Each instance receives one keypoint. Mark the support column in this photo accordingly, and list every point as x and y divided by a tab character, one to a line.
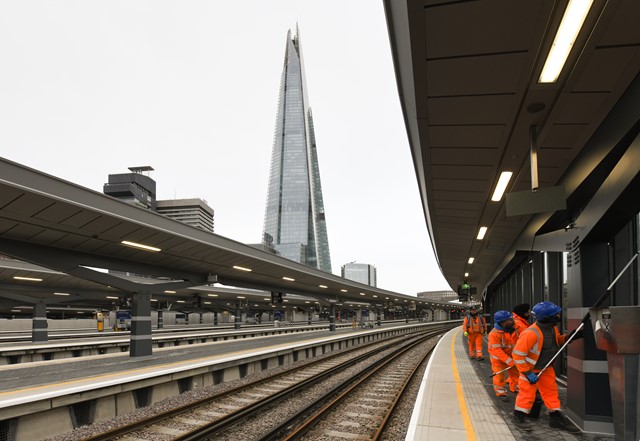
309	316
201	314
140	325
588	394
39	327
332	317
378	321
215	319
160	319
238	317
406	315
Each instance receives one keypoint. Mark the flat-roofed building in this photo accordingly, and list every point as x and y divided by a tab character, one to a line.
195	212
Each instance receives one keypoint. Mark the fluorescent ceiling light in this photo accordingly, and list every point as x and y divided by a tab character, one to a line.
505	176
16	310
267	299
180	301
79	312
481	233
28	279
375	296
241	297
113	298
212	295
362	294
140	246
289	279
169	292
343	290
471	259
285	300
207	303
154	300
241	268
323	286
466	274
61	294
572	21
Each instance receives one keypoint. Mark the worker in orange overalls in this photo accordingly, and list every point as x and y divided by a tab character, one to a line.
502	339
535	347
521	314
474	327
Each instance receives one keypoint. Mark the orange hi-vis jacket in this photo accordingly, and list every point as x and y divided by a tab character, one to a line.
474	325
501	345
520	324
529	345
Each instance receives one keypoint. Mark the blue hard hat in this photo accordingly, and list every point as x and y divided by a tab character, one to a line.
545	309
501	316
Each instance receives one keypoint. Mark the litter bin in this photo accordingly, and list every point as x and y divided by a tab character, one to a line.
616	330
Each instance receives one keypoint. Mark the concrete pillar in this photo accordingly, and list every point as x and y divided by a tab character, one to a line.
332	317
378	321
238	317
406	315
140	325
39	328
215	319
160	319
588	393
201	321
309	316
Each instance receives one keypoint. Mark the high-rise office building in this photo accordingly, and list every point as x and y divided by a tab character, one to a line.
135	188
194	212
294	216
360	272
139	189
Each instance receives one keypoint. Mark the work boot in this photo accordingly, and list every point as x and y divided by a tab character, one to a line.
503	397
480	358
520	420
558	421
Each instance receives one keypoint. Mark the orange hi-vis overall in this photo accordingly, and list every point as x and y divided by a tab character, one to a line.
520	324
476	327
525	355
501	345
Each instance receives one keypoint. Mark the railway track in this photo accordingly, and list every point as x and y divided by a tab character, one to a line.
223	415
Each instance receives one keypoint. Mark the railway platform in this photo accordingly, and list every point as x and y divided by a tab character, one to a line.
456	402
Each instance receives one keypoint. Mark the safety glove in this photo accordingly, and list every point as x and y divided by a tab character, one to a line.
533	378
466	334
579	334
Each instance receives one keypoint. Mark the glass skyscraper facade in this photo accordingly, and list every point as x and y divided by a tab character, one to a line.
294	219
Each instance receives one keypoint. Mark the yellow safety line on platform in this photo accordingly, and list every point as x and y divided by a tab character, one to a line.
466	419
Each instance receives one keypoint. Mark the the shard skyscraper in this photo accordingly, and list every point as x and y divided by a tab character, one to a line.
294	221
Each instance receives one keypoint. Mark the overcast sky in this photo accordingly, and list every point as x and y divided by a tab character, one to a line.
190	87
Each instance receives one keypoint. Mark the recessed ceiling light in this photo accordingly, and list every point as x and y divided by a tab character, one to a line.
375	296
289	279
16	310
323	286
61	294
28	279
113	298
212	295
466	274
501	186
285	300
207	303
267	299
140	246
471	259
362	294
180	301
481	233
241	297
572	21
169	292
241	268
154	300
343	290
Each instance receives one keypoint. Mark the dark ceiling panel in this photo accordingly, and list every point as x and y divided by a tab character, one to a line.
461	135
28	205
462	185
468	28
576	108
485	109
465	172
464	156
489	74
596	79
623	28
462	196
80	219
57	212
